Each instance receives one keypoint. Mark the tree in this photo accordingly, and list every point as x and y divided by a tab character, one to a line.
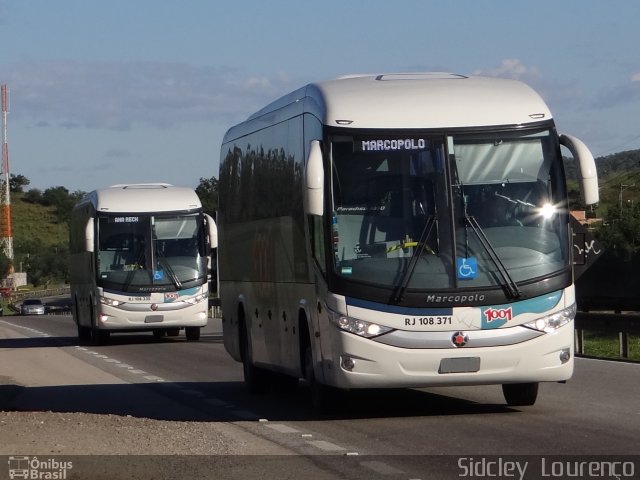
47	264
62	200
55	196
207	191
620	231
17	182
34	195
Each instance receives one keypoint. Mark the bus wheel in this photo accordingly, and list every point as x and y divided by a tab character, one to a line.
254	377
520	394
284	383
192	334
172	332
322	396
100	337
84	333
159	333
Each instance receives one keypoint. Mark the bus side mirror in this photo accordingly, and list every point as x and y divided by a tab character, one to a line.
89	238
212	231
587	167
314	180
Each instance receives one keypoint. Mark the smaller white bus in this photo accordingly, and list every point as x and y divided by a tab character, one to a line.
140	261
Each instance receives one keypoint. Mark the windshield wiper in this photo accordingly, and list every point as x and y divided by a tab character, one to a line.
167	266
132	272
509	284
420	248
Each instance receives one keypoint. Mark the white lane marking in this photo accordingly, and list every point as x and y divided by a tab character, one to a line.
29	329
279	427
107	359
326	446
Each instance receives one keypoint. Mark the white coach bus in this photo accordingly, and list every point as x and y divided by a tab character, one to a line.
140	260
400	230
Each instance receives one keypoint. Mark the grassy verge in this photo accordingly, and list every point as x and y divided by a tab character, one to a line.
607	345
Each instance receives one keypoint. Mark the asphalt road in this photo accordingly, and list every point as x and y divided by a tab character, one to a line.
394	434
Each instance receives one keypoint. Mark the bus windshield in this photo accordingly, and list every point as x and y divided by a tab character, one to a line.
145	253
441	212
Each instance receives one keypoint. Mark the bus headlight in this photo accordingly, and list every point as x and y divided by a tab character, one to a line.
196	299
110	302
553	322
358	327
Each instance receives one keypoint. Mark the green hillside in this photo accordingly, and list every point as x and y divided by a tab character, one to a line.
618	178
32	221
40	241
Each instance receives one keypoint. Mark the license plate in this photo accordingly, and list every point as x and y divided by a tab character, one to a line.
459	365
430	321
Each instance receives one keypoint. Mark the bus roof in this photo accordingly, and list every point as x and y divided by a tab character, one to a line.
143	197
414	100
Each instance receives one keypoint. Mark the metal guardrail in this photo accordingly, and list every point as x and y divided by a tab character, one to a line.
49	292
624	324
214	308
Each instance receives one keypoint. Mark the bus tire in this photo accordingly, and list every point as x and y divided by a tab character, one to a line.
520	394
159	333
192	334
323	397
173	332
255	378
84	333
98	337
283	382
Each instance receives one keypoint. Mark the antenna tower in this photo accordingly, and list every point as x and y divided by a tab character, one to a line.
6	232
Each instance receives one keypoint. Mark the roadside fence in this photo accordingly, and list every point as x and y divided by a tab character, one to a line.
624	324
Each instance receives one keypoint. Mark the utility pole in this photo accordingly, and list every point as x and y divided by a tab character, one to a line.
6	232
623	187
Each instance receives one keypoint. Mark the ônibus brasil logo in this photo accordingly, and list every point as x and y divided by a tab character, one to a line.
35	468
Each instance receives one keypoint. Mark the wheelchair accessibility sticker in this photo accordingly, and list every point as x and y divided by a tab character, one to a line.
467	268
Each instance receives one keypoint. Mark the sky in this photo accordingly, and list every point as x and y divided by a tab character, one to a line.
118	91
